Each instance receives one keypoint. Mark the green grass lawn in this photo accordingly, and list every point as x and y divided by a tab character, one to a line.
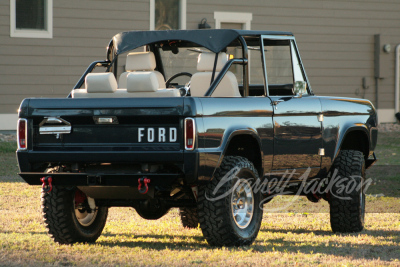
301	236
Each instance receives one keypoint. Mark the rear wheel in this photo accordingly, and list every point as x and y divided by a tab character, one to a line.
229	210
189	217
69	217
347	197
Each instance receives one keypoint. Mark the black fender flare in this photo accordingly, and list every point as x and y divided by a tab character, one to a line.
230	134
343	133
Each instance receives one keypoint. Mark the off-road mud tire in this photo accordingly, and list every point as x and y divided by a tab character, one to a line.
58	210
347	216
189	217
216	217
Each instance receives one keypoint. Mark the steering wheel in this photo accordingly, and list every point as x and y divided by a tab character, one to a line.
173	77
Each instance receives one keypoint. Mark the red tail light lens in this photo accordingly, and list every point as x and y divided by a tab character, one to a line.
22	134
190	133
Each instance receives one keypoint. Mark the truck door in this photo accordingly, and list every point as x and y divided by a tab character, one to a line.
296	117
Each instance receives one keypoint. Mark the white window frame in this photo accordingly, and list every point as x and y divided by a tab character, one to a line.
233	17
182	19
32	33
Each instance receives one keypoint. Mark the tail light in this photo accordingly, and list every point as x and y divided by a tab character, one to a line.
22	134
190	133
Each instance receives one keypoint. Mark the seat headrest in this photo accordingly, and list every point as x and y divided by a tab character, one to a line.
140	61
101	83
205	61
142	82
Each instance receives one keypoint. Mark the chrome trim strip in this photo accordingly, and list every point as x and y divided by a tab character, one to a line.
55	130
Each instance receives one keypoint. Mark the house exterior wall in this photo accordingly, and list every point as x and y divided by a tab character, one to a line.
335	38
34	67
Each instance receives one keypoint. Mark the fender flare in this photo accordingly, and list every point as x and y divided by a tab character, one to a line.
343	133
236	132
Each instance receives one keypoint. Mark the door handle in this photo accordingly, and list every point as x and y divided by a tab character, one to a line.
54	125
276	102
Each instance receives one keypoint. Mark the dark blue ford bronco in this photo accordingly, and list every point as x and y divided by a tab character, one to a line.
209	121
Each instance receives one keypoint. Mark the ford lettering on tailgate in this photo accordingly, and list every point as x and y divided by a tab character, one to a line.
157	134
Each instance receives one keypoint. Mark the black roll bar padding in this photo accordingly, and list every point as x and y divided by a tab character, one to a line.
114	66
102	63
159	63
224	70
243	61
214	68
110	50
245	55
264	67
112	57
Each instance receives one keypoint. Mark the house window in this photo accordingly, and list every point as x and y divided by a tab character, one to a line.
167	14
31	18
232	20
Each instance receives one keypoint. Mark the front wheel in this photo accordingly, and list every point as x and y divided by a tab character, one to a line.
69	217
228	209
347	197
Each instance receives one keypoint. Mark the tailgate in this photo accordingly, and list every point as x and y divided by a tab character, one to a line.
126	124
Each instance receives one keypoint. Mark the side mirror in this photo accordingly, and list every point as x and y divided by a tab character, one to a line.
300	88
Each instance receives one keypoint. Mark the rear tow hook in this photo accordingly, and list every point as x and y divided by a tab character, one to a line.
144	181
46	184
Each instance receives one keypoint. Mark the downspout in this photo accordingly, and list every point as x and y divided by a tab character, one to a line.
376	92
397	74
377	51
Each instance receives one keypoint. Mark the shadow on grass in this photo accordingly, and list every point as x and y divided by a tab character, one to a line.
343	248
354	249
375	233
337	248
162	242
299	231
333	248
28	232
11	179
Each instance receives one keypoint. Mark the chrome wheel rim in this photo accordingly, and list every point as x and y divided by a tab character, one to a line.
84	217
242	204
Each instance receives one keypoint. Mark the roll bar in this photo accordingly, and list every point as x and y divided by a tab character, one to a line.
112	60
242	61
